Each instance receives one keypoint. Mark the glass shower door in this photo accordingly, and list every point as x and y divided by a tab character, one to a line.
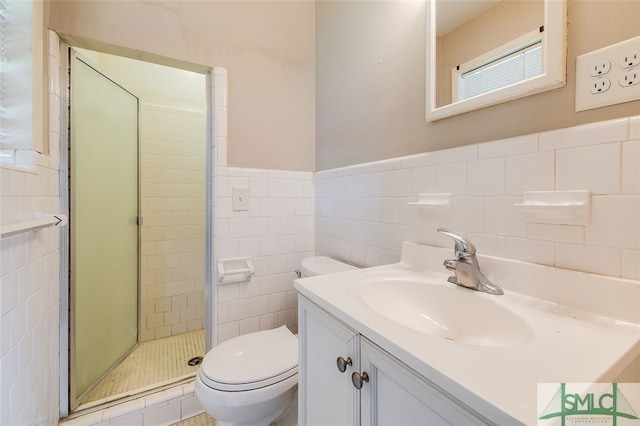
104	225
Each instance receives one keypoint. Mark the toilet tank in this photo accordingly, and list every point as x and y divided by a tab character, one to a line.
321	265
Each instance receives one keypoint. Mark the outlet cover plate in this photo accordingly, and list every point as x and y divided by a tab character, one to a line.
616	93
239	199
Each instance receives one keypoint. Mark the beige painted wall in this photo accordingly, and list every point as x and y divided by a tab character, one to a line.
266	46
371	82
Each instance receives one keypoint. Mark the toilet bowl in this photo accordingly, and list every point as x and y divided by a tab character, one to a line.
252	380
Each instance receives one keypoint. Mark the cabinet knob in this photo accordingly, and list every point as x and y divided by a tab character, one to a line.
358	379
342	363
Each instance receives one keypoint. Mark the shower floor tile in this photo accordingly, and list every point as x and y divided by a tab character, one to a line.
151	363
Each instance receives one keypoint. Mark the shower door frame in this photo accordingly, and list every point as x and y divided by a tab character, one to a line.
65	44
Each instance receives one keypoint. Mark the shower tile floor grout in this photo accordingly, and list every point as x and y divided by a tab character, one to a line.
153	362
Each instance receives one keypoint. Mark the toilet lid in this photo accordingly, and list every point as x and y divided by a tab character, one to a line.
251	361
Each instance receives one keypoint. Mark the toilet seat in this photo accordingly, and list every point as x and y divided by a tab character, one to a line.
251	361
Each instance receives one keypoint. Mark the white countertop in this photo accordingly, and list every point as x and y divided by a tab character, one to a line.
581	343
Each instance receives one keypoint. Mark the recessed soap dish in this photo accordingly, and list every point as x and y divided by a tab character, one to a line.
556	207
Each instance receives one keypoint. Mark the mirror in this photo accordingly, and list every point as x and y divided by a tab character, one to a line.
484	52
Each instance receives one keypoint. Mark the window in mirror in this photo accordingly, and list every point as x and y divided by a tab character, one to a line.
510	63
481	37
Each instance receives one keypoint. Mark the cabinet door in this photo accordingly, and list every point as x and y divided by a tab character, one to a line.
396	395
326	395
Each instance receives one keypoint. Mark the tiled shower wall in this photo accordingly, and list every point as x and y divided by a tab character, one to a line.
29	277
277	233
173	210
363	215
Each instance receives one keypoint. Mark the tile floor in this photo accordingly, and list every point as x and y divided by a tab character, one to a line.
154	362
199	420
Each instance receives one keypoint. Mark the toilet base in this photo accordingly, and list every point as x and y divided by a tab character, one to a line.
245	408
287	416
290	415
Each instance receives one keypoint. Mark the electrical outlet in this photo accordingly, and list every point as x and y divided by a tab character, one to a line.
600	85
631	59
608	76
600	68
630	78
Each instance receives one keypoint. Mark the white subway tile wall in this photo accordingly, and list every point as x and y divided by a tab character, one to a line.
172	188
29	278
277	232
630	168
362	213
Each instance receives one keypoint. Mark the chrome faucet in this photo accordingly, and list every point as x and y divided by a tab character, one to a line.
466	267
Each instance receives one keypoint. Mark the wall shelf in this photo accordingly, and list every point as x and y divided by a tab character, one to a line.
433	204
556	207
41	221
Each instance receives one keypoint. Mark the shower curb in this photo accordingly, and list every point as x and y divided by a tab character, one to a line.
166	406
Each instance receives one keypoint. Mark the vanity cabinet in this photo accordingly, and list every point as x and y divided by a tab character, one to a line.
326	394
391	393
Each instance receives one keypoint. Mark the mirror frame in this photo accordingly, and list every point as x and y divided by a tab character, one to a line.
554	75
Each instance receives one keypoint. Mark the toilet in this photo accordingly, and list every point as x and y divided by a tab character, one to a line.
252	380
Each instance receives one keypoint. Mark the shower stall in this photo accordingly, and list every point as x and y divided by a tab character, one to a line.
137	191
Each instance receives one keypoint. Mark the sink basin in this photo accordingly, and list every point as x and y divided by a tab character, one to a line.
447	311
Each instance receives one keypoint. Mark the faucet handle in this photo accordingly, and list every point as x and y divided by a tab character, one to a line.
462	246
